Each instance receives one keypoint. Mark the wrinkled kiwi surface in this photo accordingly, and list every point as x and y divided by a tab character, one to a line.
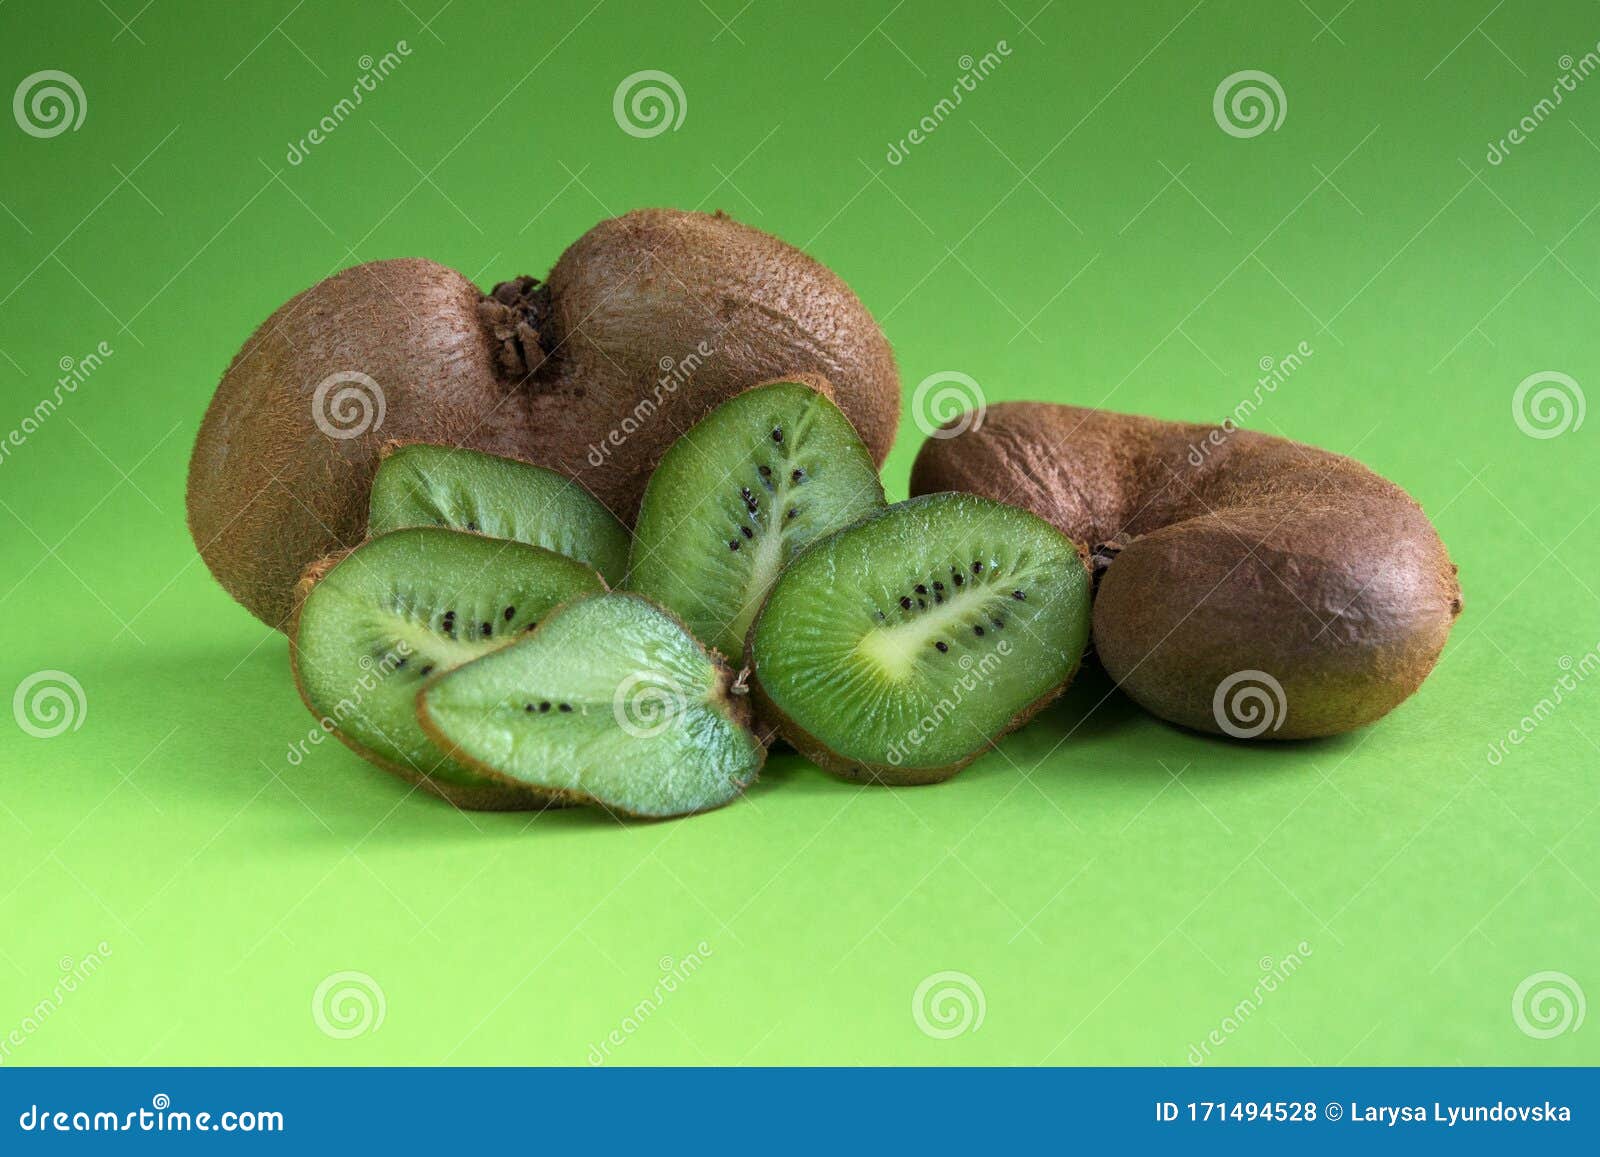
735	498
647	322
422	485
374	624
1228	555
900	648
611	702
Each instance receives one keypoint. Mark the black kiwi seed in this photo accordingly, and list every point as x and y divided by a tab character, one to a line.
566	707
920	589
545	705
977	567
955	576
426	671
905	601
777	435
923	603
793	510
400	662
1018	595
733	544
486	629
937	599
528	707
448	623
998	623
942	646
938	586
472	526
530	627
747	532
978	631
766	471
797	475
511	613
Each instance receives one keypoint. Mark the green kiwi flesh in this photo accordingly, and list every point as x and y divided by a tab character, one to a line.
610	701
898	649
734	499
423	485
375	623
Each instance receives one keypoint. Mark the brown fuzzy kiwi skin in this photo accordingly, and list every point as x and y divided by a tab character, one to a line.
492	795
738	705
269	492
568	375
1224	551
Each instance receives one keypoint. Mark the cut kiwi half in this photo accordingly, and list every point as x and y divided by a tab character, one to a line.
375	623
735	498
900	648
611	701
422	485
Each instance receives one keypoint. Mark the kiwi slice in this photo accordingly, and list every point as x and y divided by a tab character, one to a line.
735	498
610	701
898	649
422	485
373	624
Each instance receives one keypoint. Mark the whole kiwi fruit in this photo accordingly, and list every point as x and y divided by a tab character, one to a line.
1248	585
646	323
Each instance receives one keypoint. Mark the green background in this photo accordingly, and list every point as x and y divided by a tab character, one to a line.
1079	229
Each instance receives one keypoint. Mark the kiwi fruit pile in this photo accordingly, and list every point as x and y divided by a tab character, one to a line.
604	539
